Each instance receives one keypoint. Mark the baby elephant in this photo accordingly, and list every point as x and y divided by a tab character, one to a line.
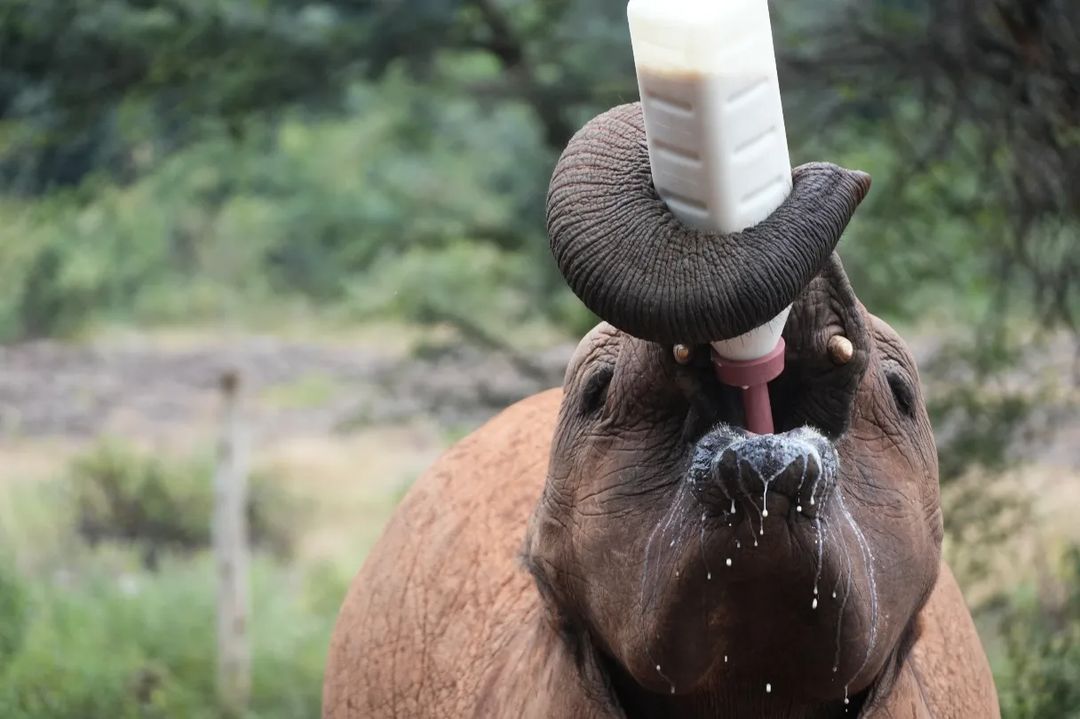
623	549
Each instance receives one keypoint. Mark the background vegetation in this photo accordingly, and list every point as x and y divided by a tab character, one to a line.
234	163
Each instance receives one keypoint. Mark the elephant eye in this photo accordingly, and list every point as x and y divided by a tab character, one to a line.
595	393
902	392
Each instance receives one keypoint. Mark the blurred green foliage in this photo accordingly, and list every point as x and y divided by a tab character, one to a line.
184	160
141	645
88	630
366	214
13	610
122	494
1041	677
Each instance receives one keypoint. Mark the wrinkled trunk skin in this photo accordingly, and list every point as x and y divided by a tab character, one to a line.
636	266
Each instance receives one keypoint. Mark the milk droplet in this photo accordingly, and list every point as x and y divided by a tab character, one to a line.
676	572
708	576
815	590
657	667
798	508
672	543
814	604
738	544
761	531
733	506
725	659
834	595
811	499
728	561
672	688
764	513
768	688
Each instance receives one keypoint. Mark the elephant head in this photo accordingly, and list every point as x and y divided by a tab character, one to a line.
693	567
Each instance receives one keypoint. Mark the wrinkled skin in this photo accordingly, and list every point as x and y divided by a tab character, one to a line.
631	261
624	566
651	491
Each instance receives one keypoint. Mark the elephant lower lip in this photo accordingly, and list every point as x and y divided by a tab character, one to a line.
730	468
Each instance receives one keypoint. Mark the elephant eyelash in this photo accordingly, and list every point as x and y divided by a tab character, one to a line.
594	395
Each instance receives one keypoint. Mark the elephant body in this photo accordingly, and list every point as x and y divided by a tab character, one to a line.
444	620
625	549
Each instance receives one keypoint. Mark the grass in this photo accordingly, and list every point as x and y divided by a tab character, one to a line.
111	640
91	632
312	390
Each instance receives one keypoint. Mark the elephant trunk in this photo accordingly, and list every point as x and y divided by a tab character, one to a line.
635	265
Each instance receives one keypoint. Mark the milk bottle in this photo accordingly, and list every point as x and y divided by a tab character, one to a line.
714	122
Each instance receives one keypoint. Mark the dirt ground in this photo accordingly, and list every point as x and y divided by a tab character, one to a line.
160	387
349	423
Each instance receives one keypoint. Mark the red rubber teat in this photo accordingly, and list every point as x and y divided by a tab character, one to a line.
753	376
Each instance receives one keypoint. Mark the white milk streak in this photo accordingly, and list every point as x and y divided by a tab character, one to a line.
782	455
819	532
682	506
868	570
843	603
701	543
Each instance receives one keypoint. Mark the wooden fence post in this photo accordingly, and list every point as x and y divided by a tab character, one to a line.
231	553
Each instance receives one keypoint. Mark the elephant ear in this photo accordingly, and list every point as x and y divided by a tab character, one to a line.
635	265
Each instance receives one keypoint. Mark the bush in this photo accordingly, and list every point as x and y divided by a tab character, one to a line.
142	647
1041	675
12	616
121	494
296	211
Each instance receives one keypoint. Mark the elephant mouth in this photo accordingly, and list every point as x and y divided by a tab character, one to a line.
734	473
773	524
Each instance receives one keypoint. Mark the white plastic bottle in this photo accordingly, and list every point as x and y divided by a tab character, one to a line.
714	122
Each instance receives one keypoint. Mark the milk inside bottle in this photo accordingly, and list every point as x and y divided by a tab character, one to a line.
714	122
